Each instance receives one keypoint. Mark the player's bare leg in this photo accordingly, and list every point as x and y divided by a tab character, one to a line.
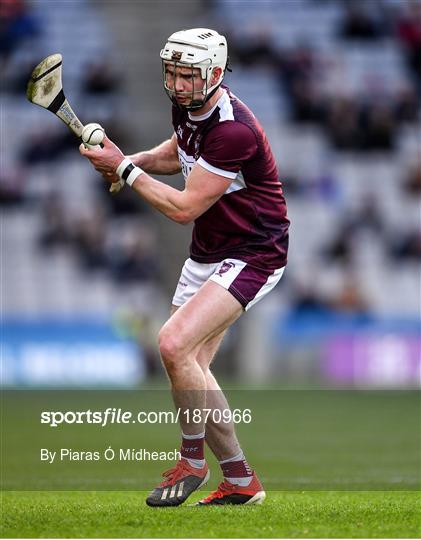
220	437
208	313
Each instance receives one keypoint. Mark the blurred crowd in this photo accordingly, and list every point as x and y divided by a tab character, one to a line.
111	237
364	121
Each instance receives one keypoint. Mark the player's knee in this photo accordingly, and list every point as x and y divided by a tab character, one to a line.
170	347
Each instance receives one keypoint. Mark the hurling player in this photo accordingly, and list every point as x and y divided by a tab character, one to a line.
238	252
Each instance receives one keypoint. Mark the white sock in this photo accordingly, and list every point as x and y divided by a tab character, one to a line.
243	481
191	437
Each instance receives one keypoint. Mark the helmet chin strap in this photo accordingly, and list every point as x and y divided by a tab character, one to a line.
195	103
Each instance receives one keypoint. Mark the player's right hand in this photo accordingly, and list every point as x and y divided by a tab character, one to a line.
100	164
105	161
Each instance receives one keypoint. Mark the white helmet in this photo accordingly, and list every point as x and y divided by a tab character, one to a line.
196	48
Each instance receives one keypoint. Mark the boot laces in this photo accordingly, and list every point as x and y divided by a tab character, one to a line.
177	472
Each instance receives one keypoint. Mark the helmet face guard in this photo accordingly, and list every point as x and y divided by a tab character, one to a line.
198	97
198	49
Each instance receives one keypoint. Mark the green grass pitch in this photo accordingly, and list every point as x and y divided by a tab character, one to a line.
284	514
334	464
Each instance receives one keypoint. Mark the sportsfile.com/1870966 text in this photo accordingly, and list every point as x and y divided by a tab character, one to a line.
113	415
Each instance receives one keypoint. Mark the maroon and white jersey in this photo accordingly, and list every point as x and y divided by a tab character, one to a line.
249	222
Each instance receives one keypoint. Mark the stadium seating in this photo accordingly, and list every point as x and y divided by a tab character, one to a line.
37	282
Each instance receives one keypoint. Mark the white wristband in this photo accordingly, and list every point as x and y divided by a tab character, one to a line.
120	169
133	175
128	172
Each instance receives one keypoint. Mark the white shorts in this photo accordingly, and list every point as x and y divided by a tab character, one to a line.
247	283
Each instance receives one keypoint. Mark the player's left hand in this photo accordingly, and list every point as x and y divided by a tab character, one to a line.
106	161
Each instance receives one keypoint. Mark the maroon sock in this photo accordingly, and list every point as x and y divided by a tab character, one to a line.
192	446
236	468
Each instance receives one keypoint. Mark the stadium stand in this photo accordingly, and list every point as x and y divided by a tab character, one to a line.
341	110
